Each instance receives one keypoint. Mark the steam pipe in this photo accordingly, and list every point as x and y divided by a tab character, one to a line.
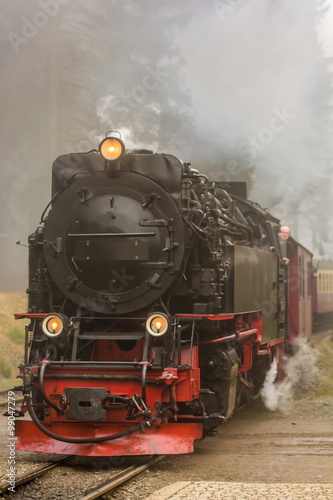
239	225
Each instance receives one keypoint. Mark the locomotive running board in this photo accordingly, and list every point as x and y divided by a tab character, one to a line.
170	439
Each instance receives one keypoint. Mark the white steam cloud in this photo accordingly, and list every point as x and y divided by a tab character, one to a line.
301	375
241	89
257	106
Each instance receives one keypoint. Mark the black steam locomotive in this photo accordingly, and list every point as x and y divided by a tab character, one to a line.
157	301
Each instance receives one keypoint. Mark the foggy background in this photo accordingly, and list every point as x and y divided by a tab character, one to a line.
242	90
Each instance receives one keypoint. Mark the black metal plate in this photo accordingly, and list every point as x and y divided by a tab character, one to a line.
85	403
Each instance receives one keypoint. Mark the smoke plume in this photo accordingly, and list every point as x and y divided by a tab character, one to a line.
240	89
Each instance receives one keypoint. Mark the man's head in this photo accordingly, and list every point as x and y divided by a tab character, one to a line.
284	233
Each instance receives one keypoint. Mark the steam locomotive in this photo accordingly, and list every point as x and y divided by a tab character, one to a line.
157	302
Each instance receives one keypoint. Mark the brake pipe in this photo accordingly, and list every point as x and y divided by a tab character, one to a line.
100	439
42	390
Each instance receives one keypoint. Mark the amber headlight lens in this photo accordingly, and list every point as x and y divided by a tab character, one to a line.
157	324
53	325
111	149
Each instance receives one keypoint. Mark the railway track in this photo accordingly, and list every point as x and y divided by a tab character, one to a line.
29	476
4	397
122	477
93	492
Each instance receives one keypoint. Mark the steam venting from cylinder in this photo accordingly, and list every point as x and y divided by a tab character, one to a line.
301	374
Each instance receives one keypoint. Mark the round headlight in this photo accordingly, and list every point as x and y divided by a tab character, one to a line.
111	148
157	324
53	325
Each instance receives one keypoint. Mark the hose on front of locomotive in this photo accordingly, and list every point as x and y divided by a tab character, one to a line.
141	426
36	421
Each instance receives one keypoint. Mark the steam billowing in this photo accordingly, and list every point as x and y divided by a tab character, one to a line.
240	89
301	375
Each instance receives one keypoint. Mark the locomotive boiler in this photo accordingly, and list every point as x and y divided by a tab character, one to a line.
157	301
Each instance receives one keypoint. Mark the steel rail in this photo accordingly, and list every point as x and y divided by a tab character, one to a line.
120	479
5	391
4	397
29	476
17	400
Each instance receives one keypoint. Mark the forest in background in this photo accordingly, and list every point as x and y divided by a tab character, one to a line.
12	334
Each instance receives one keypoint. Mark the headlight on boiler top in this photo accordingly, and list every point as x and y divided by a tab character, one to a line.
111	148
157	324
53	325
